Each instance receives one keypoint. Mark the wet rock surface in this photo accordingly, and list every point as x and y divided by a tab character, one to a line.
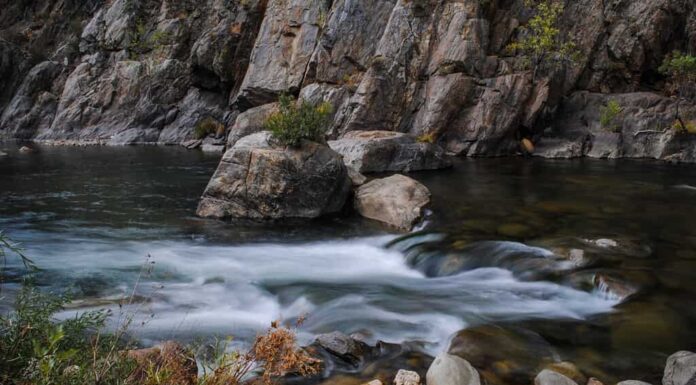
256	179
396	200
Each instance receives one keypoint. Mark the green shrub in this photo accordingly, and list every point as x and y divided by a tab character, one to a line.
541	43
292	123
609	115
207	126
37	349
680	67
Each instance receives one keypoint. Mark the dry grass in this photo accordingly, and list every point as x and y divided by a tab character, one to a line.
274	354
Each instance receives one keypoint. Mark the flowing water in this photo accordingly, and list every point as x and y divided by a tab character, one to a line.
107	222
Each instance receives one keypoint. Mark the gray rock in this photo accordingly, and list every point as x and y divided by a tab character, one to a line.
406	377
680	369
632	382
380	151
283	48
250	122
255	179
356	178
614	288
396	200
550	377
344	347
451	370
213	148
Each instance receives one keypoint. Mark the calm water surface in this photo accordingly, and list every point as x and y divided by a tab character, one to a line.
487	254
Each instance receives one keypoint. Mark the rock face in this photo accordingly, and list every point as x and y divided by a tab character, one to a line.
451	370
258	180
680	369
124	71
380	151
396	200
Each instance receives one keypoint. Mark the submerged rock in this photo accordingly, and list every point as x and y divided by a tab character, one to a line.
256	179
396	200
451	370
508	356
380	151
680	369
549	377
344	347
614	288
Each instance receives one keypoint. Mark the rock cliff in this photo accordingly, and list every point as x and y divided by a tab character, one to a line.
150	71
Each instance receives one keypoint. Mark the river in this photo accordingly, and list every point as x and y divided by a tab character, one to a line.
104	222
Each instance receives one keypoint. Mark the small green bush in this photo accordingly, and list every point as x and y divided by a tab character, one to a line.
680	67
207	126
609	115
292	123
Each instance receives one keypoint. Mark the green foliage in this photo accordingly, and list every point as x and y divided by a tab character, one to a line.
609	115
37	349
681	69
679	66
8	247
293	123
207	126
542	44
686	128
429	137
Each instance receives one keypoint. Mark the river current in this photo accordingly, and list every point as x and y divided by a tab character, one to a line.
105	223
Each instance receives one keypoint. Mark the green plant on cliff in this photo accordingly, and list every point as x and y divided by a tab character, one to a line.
680	68
609	115
293	122
541	43
208	126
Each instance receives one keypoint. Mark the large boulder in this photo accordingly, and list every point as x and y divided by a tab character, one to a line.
256	179
680	369
451	370
379	151
397	200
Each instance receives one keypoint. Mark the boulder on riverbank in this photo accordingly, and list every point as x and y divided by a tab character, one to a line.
380	151
396	200
451	370
680	369
256	179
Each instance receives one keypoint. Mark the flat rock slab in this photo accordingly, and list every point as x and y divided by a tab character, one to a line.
396	200
258	180
380	151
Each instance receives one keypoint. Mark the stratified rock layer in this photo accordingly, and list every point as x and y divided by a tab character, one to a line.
123	71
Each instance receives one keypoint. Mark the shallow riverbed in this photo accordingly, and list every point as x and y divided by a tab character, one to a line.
91	216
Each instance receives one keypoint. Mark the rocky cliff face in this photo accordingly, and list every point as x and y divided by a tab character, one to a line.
126	71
